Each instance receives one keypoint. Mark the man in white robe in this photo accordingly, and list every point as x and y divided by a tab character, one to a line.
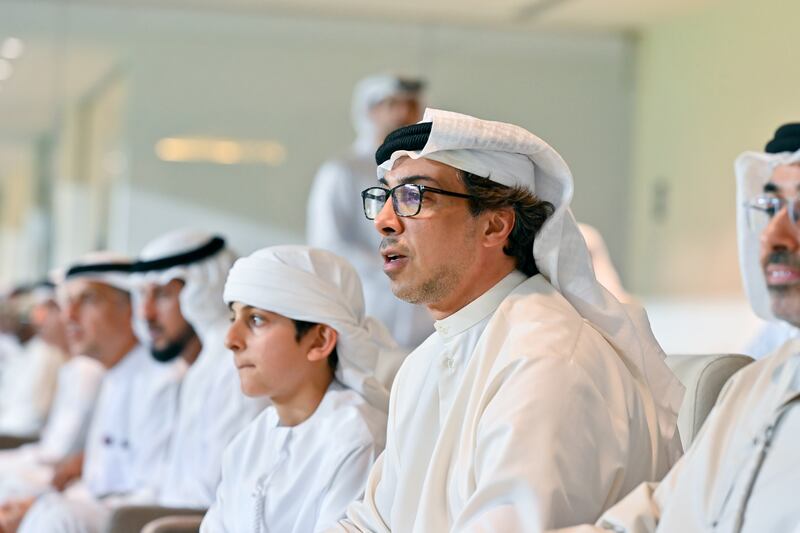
131	426
29	375
64	434
538	388
740	473
180	278
381	104
300	336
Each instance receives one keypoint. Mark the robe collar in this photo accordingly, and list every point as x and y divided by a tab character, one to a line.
479	308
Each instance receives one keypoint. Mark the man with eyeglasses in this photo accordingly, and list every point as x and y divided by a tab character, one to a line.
381	104
741	473
540	400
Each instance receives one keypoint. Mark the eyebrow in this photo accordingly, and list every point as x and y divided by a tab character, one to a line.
770	187
412	179
243	308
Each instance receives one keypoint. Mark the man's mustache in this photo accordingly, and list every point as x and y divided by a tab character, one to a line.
386	242
783	257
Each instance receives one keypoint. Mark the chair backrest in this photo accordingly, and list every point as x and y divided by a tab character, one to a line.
174	524
703	376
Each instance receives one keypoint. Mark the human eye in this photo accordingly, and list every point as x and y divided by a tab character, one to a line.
769	203
256	320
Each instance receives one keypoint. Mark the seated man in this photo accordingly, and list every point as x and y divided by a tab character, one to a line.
538	384
180	277
741	472
28	379
300	337
135	412
30	467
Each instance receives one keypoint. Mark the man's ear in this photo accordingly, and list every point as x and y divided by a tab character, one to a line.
323	340
497	226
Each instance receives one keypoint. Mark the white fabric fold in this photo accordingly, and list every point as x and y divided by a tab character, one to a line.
753	171
118	280
511	155
314	285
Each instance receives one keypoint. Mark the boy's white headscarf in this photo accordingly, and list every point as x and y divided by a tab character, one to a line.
513	156
314	285
753	171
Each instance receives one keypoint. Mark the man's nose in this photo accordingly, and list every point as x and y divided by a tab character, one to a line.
781	233
387	222
147	307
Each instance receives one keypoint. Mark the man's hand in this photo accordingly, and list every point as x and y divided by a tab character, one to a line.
12	513
67	471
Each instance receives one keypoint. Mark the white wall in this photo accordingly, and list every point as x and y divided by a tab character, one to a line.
291	81
709	86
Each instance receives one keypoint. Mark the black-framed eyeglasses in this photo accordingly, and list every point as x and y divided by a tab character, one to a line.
406	199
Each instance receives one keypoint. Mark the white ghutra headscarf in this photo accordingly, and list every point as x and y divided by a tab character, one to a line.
314	285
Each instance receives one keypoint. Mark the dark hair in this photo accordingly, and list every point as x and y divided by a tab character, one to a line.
530	214
302	328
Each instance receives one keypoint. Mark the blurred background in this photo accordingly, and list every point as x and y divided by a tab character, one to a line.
122	119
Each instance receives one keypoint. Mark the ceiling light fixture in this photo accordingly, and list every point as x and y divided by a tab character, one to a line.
221	151
12	48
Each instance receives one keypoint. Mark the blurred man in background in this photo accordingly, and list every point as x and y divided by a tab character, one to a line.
130	429
29	374
29	468
180	278
381	104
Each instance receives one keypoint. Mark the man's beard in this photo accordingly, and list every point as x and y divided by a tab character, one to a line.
174	348
438	285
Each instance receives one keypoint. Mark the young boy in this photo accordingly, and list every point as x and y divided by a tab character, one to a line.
299	337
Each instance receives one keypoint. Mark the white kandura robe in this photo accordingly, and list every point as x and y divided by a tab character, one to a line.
769	339
515	392
742	471
126	446
27	470
212	410
336	222
298	479
27	387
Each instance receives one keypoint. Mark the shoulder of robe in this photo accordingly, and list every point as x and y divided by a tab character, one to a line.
349	415
535	320
416	361
251	435
755	378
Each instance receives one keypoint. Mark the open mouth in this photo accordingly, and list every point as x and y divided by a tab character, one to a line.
781	275
393	261
391	258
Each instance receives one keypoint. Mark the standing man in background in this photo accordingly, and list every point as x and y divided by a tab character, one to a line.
381	104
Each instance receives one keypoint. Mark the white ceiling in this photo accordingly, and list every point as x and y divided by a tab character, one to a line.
63	58
606	15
